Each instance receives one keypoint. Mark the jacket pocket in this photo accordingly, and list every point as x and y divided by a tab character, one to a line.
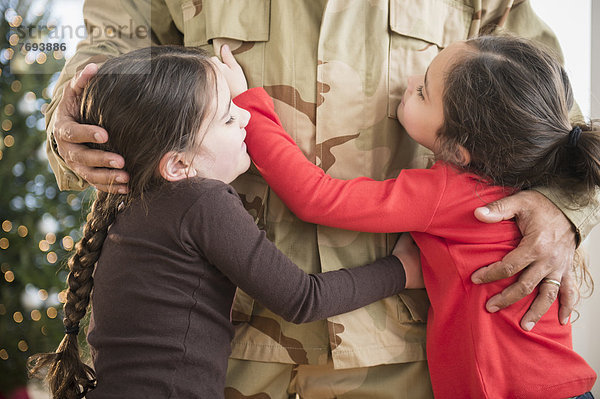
419	29
240	20
241	24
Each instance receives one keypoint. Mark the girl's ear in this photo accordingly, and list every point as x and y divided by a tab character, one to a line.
463	155
174	166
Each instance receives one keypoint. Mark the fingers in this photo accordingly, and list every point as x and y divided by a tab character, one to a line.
112	188
217	61
96	167
227	57
569	296
73	132
528	280
79	81
547	294
511	264
69	104
78	155
503	209
108	180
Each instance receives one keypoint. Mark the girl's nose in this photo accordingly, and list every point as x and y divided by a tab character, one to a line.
414	81
244	118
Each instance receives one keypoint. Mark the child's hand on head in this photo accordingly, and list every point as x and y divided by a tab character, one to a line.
409	254
232	71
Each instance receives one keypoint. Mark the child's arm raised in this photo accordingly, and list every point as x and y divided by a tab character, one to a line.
407	203
219	227
362	204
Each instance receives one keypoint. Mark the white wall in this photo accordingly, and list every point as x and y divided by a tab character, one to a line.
572	23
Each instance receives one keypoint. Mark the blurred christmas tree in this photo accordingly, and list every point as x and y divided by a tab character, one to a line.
39	224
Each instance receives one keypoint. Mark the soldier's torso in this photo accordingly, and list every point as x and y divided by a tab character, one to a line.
336	70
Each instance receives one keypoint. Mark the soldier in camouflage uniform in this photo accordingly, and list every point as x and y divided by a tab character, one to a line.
336	70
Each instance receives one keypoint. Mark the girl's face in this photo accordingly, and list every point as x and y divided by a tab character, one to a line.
222	155
421	111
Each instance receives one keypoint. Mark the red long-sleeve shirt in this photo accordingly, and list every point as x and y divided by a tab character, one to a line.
471	353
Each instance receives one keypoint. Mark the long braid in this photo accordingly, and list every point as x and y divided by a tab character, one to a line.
68	376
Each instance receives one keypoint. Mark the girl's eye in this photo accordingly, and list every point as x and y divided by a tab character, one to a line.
231	119
420	92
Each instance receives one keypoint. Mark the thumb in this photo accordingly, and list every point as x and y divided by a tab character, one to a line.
227	56
497	211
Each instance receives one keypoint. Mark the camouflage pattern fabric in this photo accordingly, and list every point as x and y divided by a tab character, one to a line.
336	70
401	380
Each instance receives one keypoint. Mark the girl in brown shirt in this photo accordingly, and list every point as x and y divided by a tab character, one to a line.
171	252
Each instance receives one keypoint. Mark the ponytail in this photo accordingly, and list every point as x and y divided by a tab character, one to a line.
584	159
68	376
576	163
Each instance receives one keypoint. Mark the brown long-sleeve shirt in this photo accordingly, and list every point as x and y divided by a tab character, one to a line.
165	283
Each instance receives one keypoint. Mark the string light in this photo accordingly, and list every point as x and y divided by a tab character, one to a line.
9	140
29	58
44	246
9	109
16	85
16	21
8	53
13	39
71	198
51	257
6	125
7	225
51	238
36	315
41	58
51	312
22	231
17	317
3	354
22	345
68	243
4	243
62	296
43	294
9	276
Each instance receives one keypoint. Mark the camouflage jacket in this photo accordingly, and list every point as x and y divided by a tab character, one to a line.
336	70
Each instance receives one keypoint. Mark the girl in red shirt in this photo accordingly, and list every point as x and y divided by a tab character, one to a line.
495	113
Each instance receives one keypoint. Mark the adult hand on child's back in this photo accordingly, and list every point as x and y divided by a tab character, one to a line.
98	168
232	71
409	254
546	252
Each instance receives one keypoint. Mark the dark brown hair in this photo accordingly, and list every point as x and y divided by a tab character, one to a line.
151	101
507	102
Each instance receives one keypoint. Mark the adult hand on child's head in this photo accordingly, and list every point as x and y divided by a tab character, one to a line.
546	252
232	71
98	168
409	254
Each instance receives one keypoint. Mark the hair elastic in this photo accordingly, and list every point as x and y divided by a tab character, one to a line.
72	330
574	135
